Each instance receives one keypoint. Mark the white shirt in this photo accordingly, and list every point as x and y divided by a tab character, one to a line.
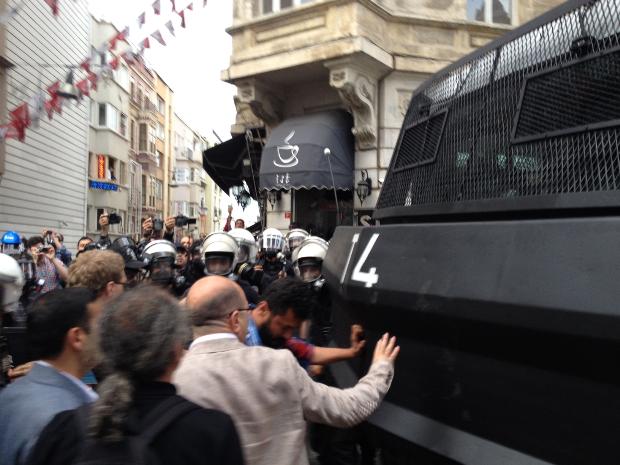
89	392
213	337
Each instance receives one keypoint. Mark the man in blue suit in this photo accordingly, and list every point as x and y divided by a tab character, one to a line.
60	325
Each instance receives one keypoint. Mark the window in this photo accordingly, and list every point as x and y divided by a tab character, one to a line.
132	89
102	114
132	134
109	117
192	175
161	105
144	134
152	141
158	157
123	125
181	175
270	6
112	169
143	189
490	11
99	213
160	131
140	97
159	190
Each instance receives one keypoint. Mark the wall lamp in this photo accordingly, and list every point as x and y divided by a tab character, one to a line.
364	187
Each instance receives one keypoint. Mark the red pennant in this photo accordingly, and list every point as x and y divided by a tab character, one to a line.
182	15
112	43
115	62
53	4
83	87
157	7
142	19
158	37
53	89
10	132
85	65
49	108
93	78
145	43
20	120
190	7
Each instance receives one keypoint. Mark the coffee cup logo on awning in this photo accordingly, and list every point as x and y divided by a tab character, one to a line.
287	153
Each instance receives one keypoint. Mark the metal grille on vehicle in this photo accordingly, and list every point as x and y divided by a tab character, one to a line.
534	119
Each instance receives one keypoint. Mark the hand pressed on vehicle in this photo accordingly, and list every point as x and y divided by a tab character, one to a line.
357	343
386	349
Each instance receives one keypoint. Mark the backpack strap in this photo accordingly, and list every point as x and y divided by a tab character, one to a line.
155	422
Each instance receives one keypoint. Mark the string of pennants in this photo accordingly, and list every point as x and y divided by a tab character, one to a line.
28	113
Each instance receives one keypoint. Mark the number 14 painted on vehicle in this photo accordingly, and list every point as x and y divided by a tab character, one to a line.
370	277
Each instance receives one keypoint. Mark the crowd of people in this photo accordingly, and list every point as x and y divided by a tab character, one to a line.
176	350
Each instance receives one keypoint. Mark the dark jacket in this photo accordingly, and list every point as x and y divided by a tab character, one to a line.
202	436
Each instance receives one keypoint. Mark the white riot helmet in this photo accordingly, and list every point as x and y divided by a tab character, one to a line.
272	241
12	282
219	252
247	245
159	256
294	238
308	258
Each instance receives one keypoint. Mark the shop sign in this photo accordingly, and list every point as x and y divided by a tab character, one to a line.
104	186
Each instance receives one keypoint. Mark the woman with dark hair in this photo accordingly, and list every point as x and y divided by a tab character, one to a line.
142	335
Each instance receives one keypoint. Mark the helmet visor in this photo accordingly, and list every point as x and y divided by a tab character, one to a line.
220	265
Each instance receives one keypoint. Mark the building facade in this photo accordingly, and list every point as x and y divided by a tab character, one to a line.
190	181
147	162
109	180
164	130
44	178
300	57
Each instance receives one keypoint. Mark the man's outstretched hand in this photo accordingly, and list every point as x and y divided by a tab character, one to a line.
386	349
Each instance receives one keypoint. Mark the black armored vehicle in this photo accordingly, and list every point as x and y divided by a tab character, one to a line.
496	258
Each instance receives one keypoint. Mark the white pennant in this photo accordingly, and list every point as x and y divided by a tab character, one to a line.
170	27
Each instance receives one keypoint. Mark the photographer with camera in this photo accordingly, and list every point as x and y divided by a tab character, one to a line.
56	240
49	270
156	229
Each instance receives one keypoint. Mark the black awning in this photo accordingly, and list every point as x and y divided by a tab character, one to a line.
294	156
224	162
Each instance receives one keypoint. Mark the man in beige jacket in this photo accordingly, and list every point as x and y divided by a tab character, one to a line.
265	391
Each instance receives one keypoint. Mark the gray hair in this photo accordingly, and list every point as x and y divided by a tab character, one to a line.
139	333
215	308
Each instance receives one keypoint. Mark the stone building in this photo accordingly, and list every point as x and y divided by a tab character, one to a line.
164	130
293	58
190	187
108	154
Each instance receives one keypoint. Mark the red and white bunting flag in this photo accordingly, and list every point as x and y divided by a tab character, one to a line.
182	15
142	19
93	78
158	37
112	43
190	7
170	27
115	62
123	34
85	65
53	4
83	87
53	89
10	132
129	57
20	120
49	108
204	4
145	44
157	7
174	6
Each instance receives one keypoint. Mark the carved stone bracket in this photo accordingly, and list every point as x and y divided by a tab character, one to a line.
262	101
356	81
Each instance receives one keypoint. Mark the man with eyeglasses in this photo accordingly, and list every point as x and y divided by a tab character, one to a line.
265	391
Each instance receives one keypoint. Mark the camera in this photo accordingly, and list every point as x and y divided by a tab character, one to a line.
48	238
182	220
158	225
114	218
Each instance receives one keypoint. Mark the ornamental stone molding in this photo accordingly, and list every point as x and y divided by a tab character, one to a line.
261	100
356	80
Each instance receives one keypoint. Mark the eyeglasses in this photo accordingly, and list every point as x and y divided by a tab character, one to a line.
121	284
239	310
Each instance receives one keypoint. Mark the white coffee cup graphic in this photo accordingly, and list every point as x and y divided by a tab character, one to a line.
287	153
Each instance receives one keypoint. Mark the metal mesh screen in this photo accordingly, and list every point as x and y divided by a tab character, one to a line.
421	141
536	116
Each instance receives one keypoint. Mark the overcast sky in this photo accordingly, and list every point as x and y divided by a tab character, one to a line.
190	63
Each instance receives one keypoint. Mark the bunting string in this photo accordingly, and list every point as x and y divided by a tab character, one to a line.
28	113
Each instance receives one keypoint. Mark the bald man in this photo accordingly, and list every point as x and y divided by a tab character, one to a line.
265	391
